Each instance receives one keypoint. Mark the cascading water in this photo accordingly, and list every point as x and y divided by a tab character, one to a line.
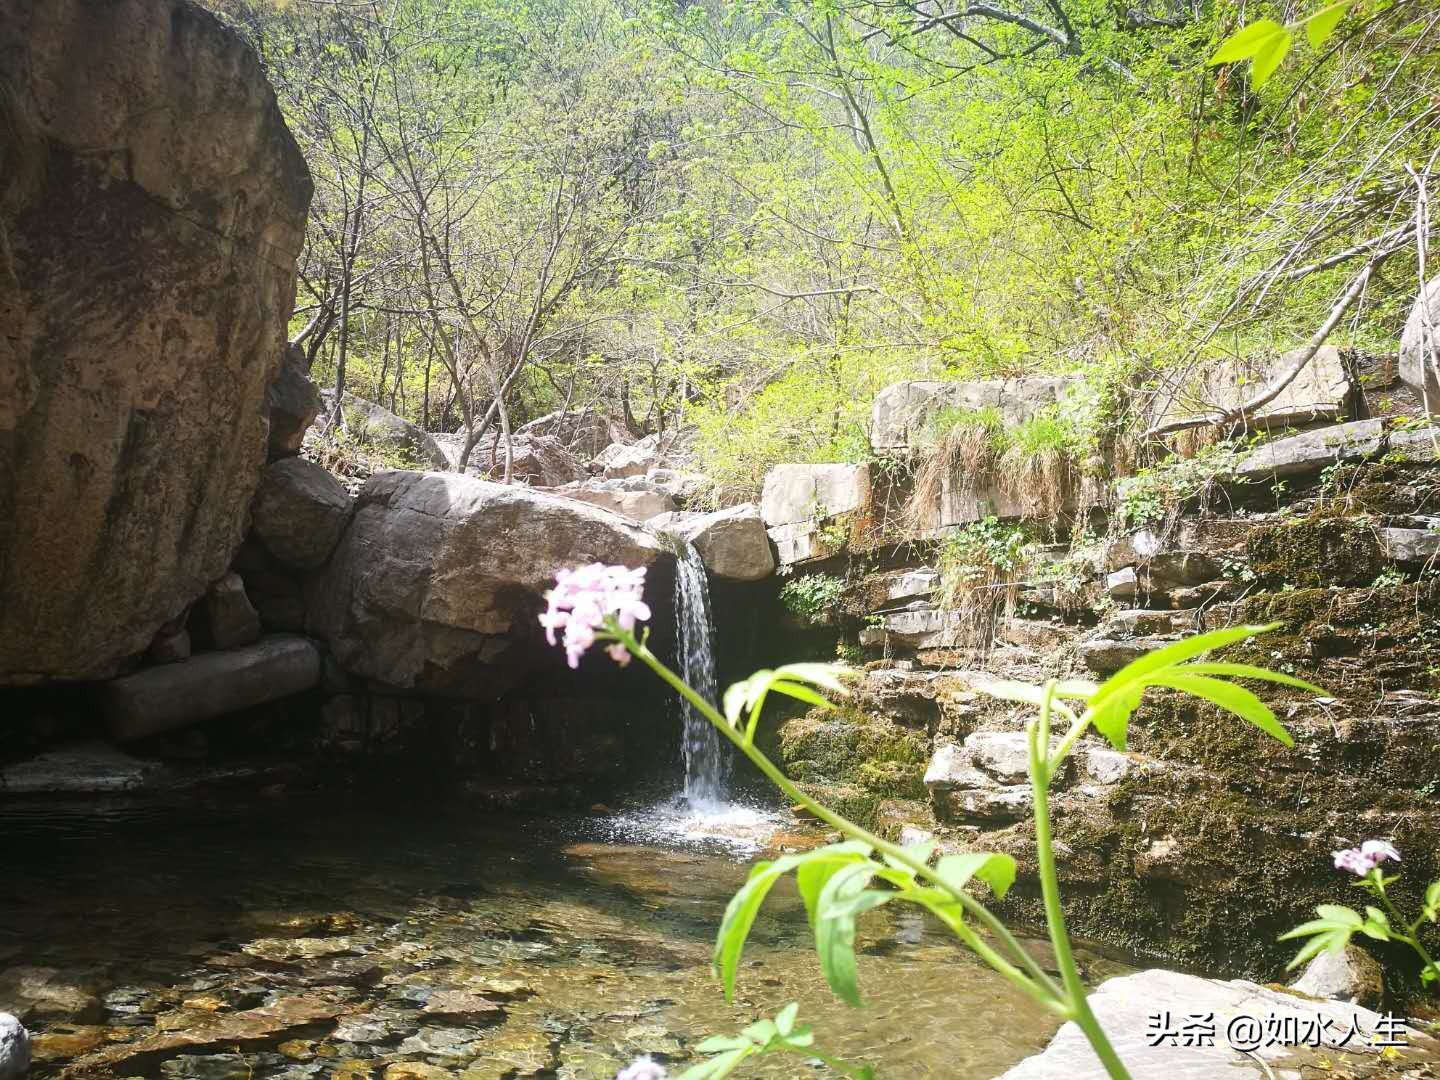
703	812
707	765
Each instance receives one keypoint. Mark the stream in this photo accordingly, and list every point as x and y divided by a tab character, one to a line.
313	937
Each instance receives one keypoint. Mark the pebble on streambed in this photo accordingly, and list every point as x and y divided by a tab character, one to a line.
14	1048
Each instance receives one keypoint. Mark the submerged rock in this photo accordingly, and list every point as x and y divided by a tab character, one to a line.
152	222
81	767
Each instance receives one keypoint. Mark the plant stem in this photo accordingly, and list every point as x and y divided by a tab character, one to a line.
1040	777
1413	938
1033	981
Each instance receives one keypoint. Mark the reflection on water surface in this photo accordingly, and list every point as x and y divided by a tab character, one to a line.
351	939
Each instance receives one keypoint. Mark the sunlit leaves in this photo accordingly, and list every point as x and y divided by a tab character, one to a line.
780	1035
1332	931
1119	696
1266	43
747	698
835	882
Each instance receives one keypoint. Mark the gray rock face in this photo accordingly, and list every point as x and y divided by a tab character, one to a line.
636	459
14	1048
1311	451
1415	546
299	513
228	619
794	493
732	543
440	576
585	433
1322	391
154	180
294	402
369	424
1349	975
637	505
1420	346
796	499
901	413
1125	1005
208	685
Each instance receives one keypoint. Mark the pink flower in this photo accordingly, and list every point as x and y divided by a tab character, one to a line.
643	1068
1361	860
585	597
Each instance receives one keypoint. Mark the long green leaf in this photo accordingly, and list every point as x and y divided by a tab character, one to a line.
1247	42
1230	697
1322	24
740	917
835	930
1250	671
994	868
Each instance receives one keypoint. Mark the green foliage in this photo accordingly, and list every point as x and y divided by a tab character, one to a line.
778	1036
841	881
1336	925
1152	493
1265	43
834	882
812	596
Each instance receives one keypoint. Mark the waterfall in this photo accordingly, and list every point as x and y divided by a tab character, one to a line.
706	764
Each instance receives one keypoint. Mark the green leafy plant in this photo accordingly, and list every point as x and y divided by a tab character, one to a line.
840	881
1336	925
981	566
812	596
1266	43
1151	494
777	1036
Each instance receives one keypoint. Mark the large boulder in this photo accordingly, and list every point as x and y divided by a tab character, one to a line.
637	502
153	205
732	543
294	403
901	414
1167	1026
209	685
1322	391
1311	451
370	425
438	580
1420	346
537	460
299	513
583	432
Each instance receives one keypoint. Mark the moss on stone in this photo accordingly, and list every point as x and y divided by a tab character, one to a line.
1315	551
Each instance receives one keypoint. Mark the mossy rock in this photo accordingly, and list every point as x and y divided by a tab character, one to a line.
1316	551
847	800
852	748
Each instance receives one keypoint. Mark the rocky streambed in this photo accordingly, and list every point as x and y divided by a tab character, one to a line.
289	938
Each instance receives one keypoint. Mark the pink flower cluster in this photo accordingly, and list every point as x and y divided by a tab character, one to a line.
643	1068
584	597
1361	860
